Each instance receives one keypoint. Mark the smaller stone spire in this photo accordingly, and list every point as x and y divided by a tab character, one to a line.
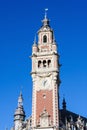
19	113
64	104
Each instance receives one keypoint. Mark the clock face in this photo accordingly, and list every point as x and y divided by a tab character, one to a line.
44	83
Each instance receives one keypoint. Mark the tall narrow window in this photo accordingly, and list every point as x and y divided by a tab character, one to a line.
44	63
44	38
49	63
39	64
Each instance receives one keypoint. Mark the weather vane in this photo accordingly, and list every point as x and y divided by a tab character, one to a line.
46	9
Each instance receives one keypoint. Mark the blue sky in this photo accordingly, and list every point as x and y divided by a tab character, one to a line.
19	23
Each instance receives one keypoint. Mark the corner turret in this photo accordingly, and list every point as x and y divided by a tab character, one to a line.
19	115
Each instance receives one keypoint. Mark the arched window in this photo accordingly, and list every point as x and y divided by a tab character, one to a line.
44	63
44	38
49	63
39	64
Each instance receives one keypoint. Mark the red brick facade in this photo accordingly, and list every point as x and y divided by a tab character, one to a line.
44	99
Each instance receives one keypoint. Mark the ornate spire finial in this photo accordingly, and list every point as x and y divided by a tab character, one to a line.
20	100
46	9
45	20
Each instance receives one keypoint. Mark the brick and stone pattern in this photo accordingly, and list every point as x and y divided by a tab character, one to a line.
44	100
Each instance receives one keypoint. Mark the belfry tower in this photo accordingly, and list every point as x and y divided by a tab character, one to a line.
45	76
46	114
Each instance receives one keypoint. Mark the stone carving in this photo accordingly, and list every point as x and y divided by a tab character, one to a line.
44	119
80	123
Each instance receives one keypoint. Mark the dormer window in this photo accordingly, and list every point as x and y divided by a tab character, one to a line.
44	39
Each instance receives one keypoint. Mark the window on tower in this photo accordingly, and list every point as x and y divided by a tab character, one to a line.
44	63
39	64
44	39
49	63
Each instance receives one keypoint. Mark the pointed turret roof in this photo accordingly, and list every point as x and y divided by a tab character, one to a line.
20	110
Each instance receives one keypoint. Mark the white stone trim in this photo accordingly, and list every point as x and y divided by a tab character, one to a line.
34	104
53	105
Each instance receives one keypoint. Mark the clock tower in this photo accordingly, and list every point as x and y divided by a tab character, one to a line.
45	77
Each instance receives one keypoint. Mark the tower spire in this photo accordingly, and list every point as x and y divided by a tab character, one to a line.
45	20
46	9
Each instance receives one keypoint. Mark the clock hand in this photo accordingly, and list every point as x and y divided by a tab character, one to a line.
44	83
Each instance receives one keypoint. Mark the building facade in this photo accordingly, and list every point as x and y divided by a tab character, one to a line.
46	114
